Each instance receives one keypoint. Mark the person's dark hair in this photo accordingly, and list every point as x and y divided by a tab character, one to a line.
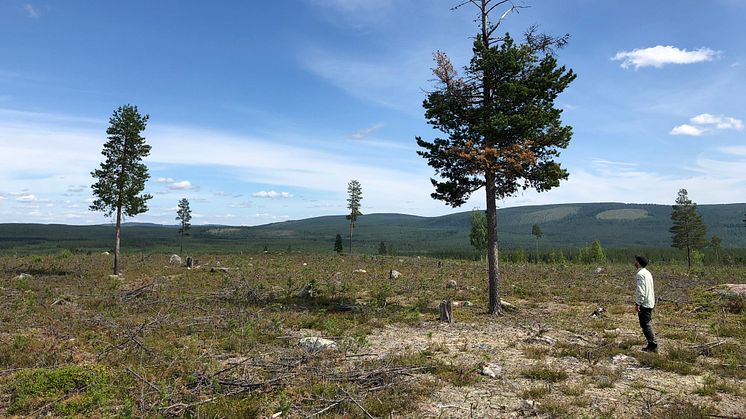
642	260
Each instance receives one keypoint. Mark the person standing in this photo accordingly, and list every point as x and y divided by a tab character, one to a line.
645	302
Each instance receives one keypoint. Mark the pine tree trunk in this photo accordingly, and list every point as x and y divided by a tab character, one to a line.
689	256
181	242
537	250
351	237
116	245
492	251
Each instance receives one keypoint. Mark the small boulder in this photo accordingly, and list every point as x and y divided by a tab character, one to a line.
623	359
451	283
731	290
316	344
174	260
598	312
600	271
492	370
24	276
218	269
360	271
394	274
507	306
468	304
307	292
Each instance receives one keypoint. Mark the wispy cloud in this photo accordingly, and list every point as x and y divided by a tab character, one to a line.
660	55
181	185
26	198
31	11
705	123
688	130
366	132
165	180
392	82
271	194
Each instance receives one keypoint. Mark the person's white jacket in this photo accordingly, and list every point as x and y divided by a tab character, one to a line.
645	292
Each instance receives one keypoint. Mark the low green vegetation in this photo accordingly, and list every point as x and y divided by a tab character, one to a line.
166	340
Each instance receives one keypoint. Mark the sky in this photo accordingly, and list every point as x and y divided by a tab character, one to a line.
264	111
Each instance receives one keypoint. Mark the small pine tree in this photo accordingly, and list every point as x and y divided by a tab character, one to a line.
688	230
597	252
382	248
478	233
338	244
536	232
715	244
184	216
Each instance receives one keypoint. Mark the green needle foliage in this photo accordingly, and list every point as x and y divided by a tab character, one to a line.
354	197
536	232
502	129
122	175
478	233
184	216
338	244
688	230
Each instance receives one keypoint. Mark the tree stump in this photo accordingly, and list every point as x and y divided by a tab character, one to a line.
446	311
190	262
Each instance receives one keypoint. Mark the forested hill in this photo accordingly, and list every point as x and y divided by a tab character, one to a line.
616	225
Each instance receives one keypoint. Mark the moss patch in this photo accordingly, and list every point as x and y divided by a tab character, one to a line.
68	390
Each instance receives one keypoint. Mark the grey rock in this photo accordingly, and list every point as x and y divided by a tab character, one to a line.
24	276
174	260
492	370
317	344
507	306
307	291
451	283
394	274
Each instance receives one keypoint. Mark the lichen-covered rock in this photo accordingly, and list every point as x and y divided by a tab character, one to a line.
317	344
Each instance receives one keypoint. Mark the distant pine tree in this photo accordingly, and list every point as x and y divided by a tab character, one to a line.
688	230
382	249
338	244
478	233
536	232
183	216
355	195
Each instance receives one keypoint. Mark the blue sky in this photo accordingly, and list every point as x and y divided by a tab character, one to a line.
263	111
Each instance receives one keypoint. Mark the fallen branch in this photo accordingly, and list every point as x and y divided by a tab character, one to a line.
357	403
141	378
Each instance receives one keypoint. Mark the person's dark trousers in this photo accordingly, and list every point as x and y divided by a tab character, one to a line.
646	315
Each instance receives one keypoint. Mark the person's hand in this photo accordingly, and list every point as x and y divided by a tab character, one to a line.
637	307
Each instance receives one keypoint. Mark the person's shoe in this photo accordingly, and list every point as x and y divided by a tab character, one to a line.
651	348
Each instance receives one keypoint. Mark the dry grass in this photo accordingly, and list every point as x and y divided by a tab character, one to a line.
166	340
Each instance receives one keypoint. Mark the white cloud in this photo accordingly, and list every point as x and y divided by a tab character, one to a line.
27	198
720	122
686	129
31	11
704	123
181	185
165	180
660	55
272	194
366	132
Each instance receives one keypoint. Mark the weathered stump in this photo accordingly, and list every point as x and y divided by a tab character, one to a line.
446	311
190	262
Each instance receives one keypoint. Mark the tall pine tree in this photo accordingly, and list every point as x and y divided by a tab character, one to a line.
354	197
122	175
502	129
688	231
183	216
